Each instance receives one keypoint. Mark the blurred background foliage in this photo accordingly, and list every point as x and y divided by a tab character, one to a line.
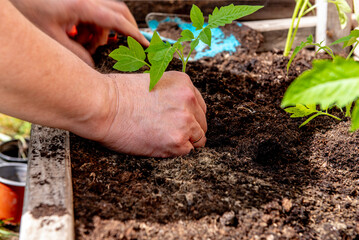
13	128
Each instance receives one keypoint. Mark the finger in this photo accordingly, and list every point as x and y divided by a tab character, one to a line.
199	114
183	150
76	48
99	38
84	34
198	138
121	8
200	100
109	19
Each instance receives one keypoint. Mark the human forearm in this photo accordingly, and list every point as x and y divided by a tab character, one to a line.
44	83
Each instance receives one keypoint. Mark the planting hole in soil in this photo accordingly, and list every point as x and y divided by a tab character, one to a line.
259	176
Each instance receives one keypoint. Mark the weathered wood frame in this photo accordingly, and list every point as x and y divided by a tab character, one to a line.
48	204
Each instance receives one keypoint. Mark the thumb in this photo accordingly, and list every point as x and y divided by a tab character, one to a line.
76	48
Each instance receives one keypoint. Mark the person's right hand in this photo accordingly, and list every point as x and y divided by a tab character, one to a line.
93	19
168	121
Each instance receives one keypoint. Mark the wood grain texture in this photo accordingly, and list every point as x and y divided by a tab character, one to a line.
48	204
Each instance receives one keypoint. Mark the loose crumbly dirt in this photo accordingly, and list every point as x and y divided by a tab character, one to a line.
259	176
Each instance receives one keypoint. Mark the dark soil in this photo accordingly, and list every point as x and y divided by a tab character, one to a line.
259	176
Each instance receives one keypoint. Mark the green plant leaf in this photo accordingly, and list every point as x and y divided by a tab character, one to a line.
187	35
157	44
342	40
159	64
228	14
194	44
298	48
342	8
355	117
129	59
300	110
197	17
206	36
327	83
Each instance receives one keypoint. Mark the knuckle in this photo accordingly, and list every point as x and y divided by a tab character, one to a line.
181	75
179	139
188	95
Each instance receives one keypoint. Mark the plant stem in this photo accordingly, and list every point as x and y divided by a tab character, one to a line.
330	115
185	62
290	30
300	15
180	55
351	52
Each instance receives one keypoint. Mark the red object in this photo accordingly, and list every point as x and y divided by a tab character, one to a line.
11	201
112	37
73	32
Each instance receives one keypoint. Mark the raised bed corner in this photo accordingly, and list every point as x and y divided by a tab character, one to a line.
48	205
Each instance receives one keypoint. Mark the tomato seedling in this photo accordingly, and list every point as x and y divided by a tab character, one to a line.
160	54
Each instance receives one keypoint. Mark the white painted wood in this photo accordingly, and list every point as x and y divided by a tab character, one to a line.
322	15
280	24
48	204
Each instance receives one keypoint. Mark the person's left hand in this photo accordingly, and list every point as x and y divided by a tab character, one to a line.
92	18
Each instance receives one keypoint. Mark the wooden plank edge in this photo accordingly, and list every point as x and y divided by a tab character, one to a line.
48	203
280	24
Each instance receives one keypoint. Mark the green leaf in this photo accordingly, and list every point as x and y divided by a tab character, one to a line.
342	40
342	8
197	17
157	44
300	110
355	117
228	14
206	36
187	35
298	48
159	65
129	59
194	44
327	83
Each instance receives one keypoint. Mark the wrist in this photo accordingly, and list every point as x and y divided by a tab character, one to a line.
95	120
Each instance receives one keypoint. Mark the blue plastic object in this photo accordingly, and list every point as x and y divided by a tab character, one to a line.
220	42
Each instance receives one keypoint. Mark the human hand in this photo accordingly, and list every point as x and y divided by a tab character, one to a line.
93	19
168	121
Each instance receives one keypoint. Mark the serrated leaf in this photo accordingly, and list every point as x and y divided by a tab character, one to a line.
187	35
206	36
300	110
194	44
228	14
136	48
197	17
157	44
355	118
327	83
159	66
129	59
298	48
